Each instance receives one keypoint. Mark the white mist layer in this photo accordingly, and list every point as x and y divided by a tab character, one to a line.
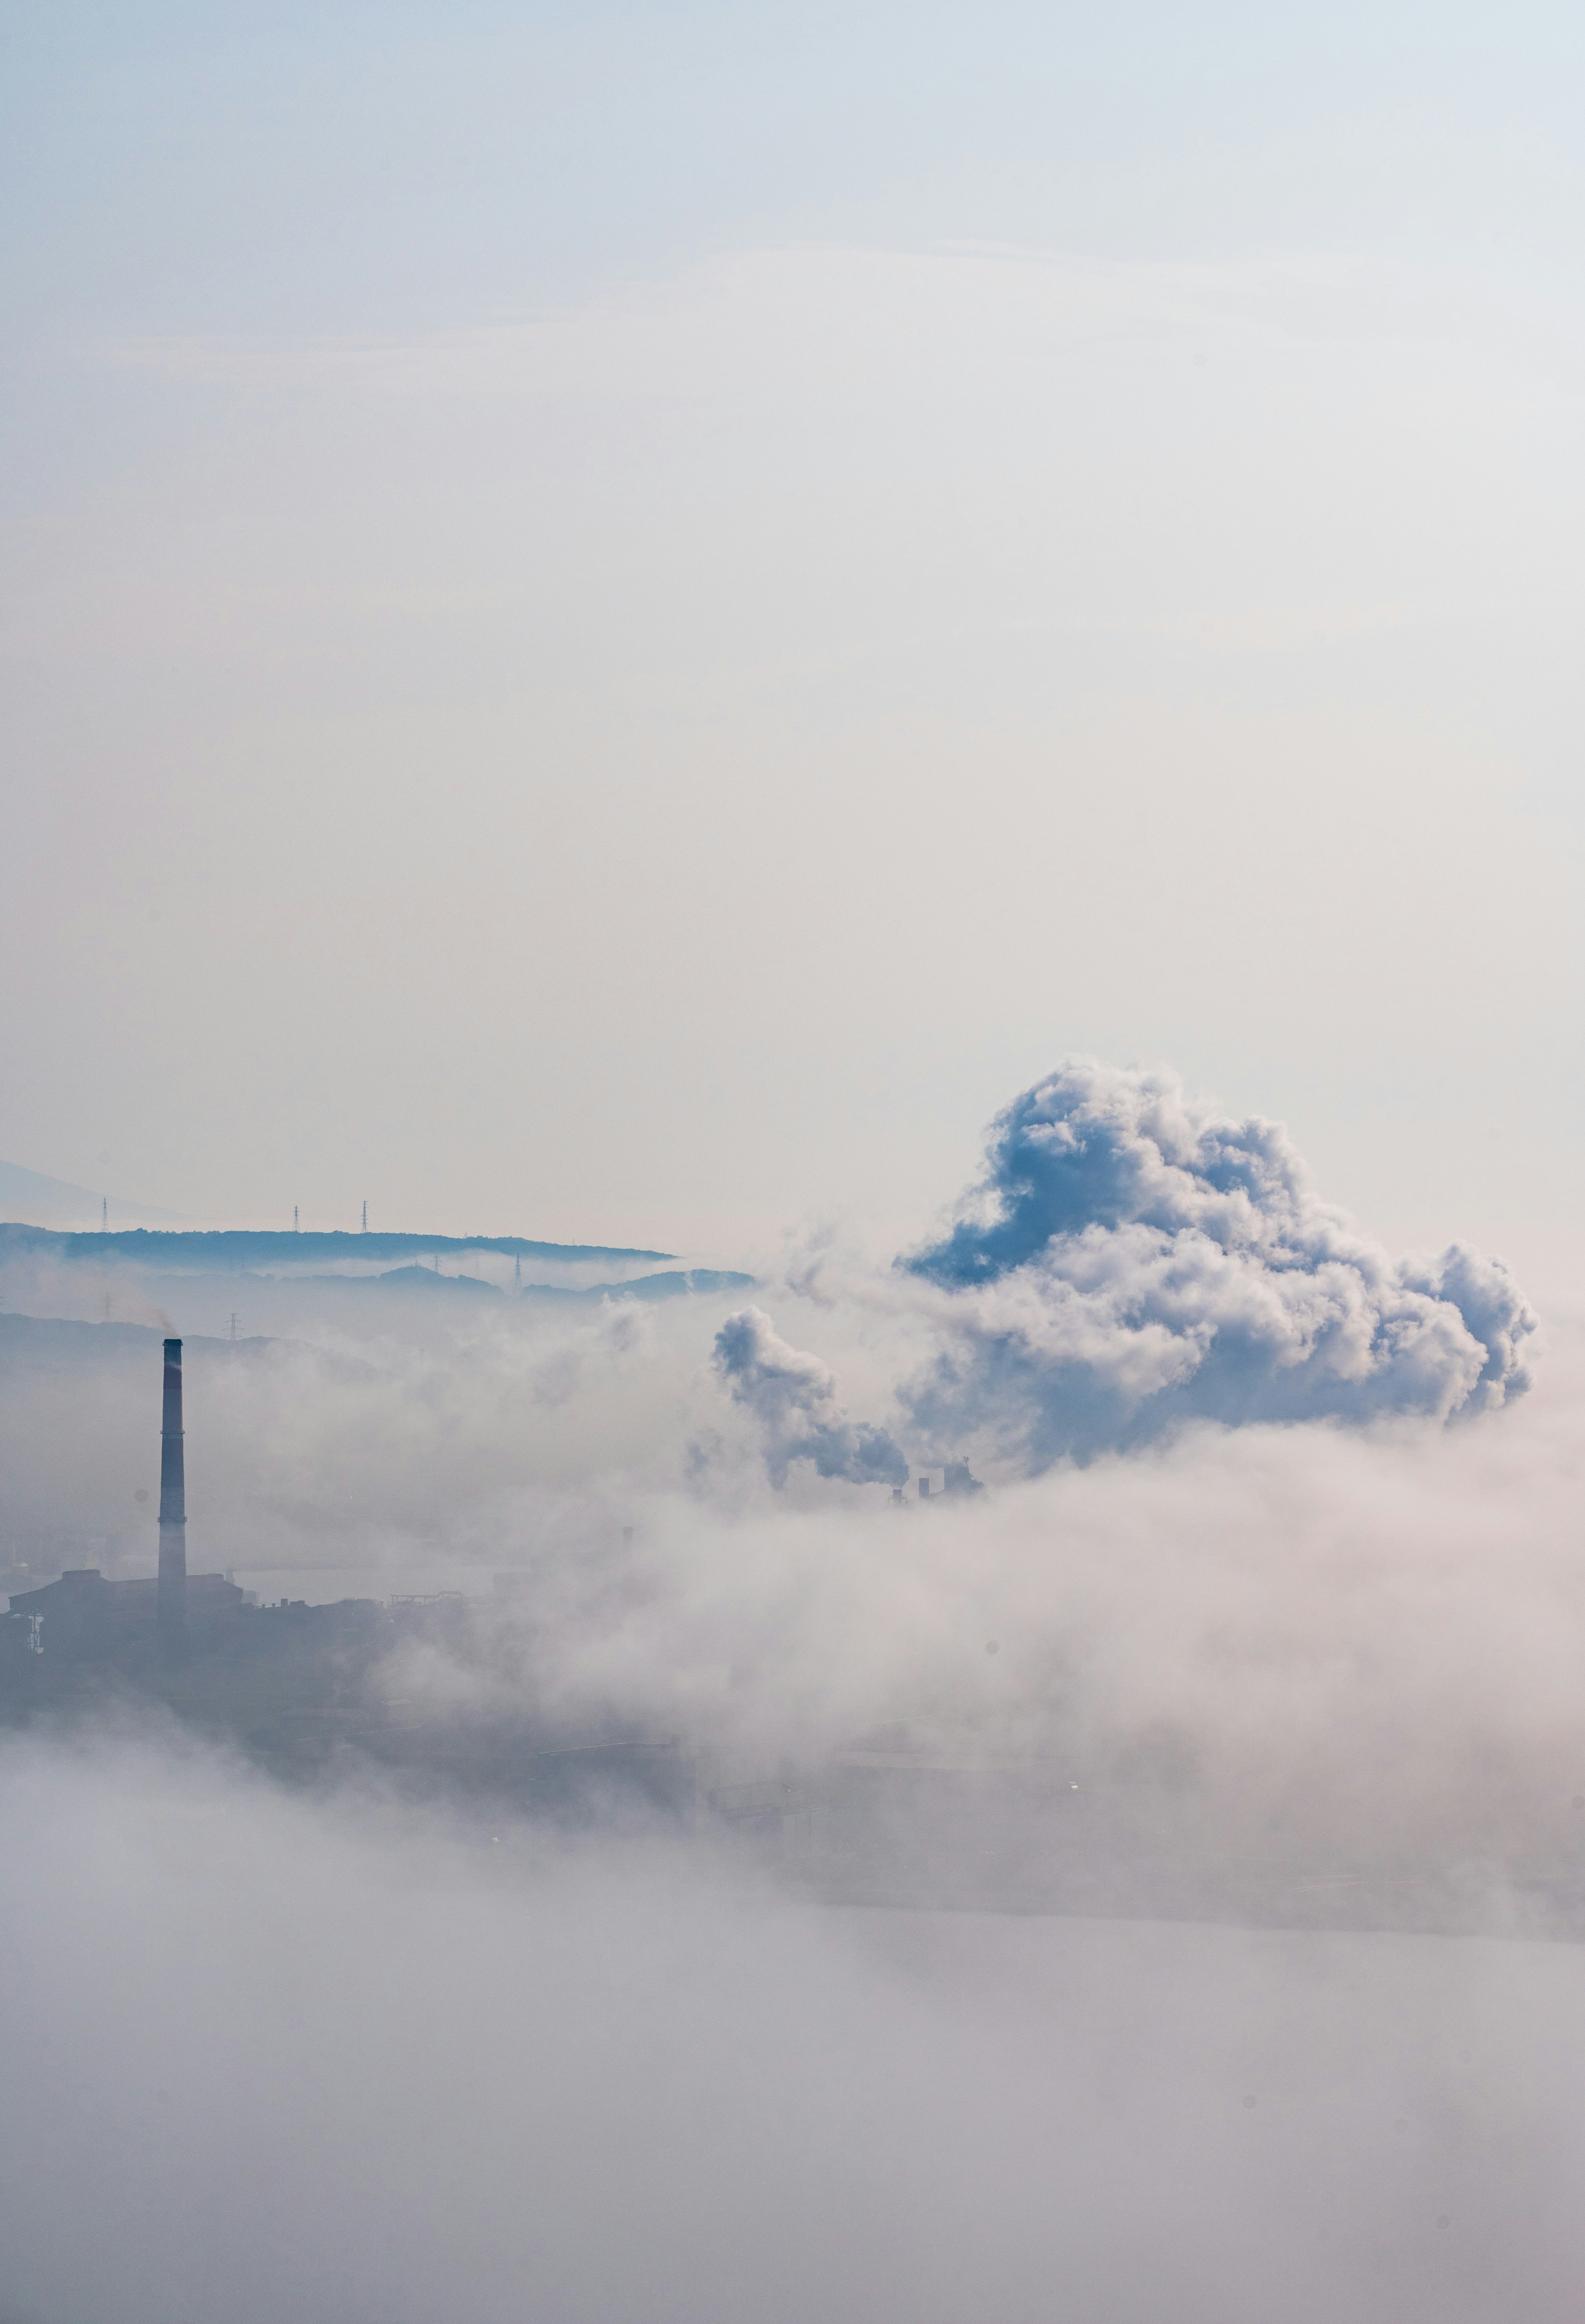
1367	1638
1293	1600
270	2059
1355	1642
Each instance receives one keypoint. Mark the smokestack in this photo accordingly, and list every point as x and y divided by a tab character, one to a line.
170	1599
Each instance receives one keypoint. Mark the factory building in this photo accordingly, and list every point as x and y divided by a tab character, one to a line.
90	1619
66	1630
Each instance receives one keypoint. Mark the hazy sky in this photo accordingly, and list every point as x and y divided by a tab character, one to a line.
620	620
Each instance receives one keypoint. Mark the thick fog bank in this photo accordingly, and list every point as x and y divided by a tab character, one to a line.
1355	1640
269	2059
1355	1643
322	2062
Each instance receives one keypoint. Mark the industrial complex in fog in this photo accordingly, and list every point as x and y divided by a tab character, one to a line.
317	1691
302	1686
199	1641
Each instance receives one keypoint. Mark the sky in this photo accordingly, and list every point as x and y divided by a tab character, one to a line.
620	621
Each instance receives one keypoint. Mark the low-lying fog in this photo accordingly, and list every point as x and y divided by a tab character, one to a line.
1309	1574
271	2058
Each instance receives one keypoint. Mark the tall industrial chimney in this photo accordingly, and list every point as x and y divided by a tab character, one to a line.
170	1599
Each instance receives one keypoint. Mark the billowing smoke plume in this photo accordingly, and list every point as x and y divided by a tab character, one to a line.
793	1397
1131	1261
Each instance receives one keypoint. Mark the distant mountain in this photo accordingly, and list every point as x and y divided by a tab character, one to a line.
675	1284
35	1341
55	1202
413	1278
229	1250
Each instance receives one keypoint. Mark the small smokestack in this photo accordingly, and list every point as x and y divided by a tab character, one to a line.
170	1598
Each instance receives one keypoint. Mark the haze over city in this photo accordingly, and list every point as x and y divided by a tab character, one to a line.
791	1314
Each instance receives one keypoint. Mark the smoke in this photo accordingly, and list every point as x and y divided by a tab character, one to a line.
793	1397
1131	1261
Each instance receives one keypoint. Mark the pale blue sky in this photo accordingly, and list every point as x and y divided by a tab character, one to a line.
324	167
667	603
